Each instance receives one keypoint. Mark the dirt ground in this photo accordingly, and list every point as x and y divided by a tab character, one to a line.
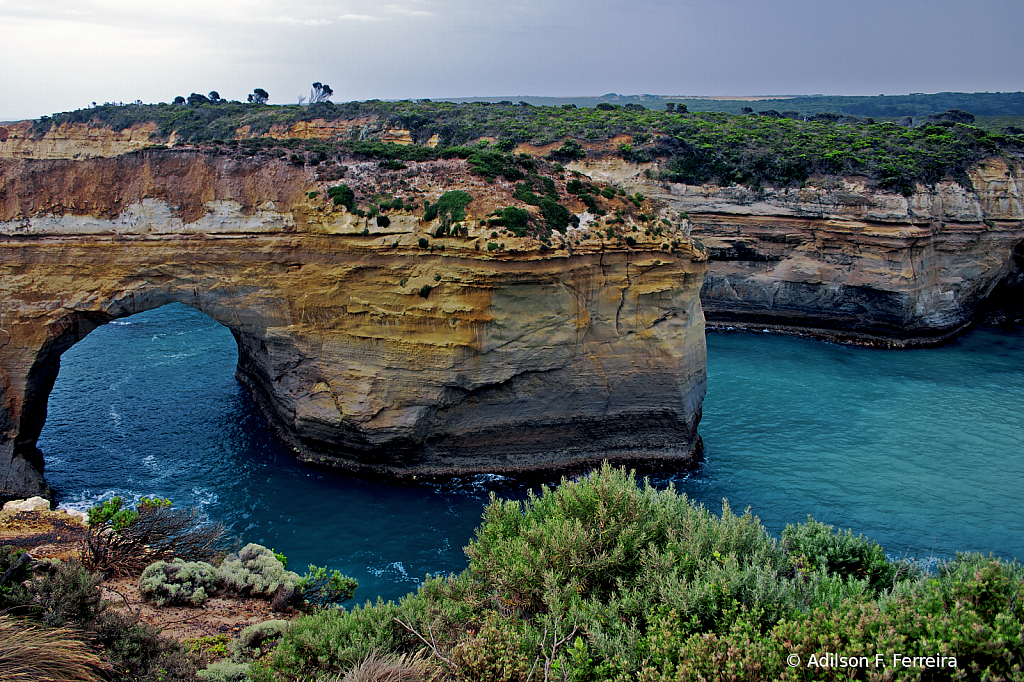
56	535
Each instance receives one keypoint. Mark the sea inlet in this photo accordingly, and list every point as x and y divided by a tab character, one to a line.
918	449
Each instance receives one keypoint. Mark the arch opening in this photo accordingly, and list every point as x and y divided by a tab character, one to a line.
31	366
133	400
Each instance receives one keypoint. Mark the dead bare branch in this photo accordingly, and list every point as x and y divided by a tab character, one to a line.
432	644
159	533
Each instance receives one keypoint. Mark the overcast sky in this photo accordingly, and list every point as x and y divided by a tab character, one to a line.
58	55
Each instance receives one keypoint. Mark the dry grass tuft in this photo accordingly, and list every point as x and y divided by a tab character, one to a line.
378	667
33	654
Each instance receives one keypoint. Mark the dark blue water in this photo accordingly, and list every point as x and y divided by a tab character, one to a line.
918	449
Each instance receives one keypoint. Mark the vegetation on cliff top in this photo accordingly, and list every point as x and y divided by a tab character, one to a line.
690	147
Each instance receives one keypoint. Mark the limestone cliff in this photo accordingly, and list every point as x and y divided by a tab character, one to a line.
841	259
370	345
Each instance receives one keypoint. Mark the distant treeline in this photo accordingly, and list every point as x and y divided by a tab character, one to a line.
877	106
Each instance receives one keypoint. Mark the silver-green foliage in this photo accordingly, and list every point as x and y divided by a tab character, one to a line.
224	671
251	639
178	582
255	572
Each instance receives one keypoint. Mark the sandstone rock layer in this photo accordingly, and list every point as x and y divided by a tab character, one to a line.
844	260
363	350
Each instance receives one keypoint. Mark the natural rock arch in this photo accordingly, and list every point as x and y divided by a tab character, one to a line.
503	366
30	362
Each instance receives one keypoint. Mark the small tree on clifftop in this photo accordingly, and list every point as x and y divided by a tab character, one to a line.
321	92
259	96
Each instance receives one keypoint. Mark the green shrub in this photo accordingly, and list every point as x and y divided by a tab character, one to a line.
343	195
254	571
111	513
179	582
570	151
490	164
604	537
323	588
500	651
13	592
252	639
517	220
391	165
136	652
56	593
556	216
335	640
424	291
155	531
423	243
66	595
589	200
603	579
815	546
209	646
453	205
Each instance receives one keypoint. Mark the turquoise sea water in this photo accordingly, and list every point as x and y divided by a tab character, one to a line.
918	449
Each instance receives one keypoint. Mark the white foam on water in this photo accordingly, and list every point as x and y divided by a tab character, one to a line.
394	571
204	497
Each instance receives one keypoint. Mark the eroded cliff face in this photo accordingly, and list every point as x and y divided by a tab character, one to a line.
841	259
363	349
75	141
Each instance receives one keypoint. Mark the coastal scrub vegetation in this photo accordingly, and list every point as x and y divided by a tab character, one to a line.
599	578
56	625
691	147
124	541
603	578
